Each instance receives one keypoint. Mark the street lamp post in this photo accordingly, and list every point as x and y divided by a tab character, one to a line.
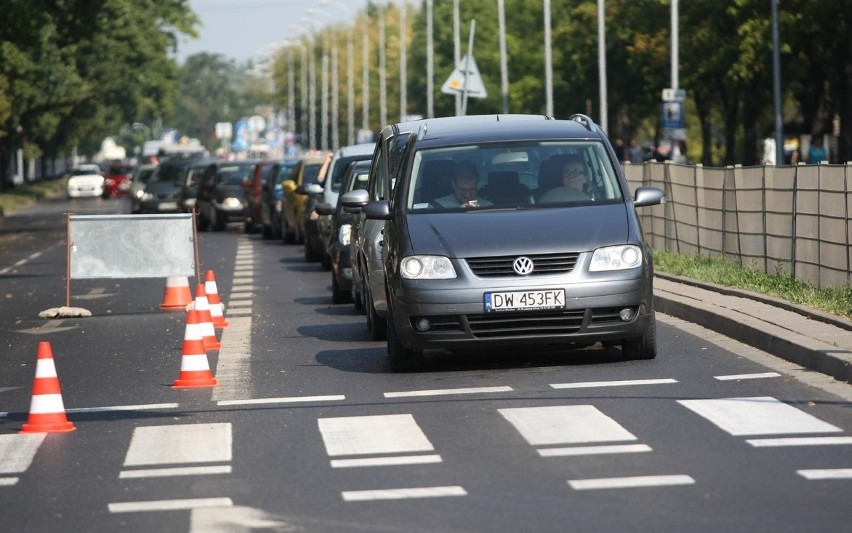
548	62
430	66
383	92
403	66
504	68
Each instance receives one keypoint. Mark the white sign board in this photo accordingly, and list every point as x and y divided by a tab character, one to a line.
131	246
455	84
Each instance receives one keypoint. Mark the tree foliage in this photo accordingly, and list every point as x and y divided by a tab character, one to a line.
725	66
72	72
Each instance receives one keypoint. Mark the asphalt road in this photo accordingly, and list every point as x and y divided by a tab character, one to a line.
309	430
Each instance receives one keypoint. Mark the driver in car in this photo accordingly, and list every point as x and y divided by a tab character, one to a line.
465	185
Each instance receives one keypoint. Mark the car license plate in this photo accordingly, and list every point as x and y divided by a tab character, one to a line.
166	206
525	300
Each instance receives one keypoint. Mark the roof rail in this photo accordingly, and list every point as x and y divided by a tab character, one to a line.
587	122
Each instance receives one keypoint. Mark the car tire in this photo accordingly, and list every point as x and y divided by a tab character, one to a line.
644	347
326	261
312	255
289	237
402	359
377	325
220	220
338	296
203	222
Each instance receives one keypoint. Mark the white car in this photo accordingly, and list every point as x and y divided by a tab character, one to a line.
85	180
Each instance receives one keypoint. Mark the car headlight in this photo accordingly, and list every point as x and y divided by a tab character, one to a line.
616	258
427	267
344	234
147	197
232	203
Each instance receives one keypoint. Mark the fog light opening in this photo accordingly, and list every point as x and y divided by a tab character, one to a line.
626	314
422	324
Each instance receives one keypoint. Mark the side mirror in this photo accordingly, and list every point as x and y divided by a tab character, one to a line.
353	201
324	208
378	210
288	185
313	188
648	196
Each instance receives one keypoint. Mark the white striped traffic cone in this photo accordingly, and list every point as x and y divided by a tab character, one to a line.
47	412
194	367
176	295
205	321
213	300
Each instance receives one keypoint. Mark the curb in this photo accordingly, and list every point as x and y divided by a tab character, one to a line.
783	343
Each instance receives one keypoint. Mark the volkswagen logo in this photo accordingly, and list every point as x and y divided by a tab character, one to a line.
523	266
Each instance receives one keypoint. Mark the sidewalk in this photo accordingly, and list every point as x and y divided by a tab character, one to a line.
814	340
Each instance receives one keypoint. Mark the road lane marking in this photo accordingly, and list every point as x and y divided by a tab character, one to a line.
759	415
630	482
150	406
594	450
441	392
800	441
748	376
626	383
17	451
8	481
360	435
169	505
232	366
828	473
182	471
565	424
401	494
178	444
293	399
386	461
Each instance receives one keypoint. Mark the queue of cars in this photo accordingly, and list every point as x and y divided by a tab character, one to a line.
459	233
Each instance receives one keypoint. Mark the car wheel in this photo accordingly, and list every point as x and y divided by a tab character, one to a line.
311	254
203	222
644	347
266	231
377	325
338	296
402	359
288	236
220	220
326	261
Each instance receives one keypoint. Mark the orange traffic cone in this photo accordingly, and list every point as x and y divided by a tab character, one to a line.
177	294
213	301
194	368
47	412
205	321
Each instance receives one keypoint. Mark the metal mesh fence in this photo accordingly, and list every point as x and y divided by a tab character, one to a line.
791	220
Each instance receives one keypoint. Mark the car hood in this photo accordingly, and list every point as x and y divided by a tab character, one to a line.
522	232
226	191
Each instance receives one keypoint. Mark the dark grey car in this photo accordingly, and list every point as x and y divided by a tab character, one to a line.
536	262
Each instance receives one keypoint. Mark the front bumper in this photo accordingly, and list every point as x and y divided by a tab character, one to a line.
458	320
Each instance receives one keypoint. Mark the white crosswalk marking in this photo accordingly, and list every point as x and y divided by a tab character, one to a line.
565	424
17	452
357	435
178	444
760	415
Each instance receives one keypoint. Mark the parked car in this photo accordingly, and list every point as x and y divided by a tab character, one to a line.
331	190
85	180
253	218
187	194
303	180
533	261
272	195
221	192
355	177
141	176
161	193
118	179
368	279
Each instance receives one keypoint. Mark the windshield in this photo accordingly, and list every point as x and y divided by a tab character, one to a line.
339	171
285	172
512	175
235	174
311	173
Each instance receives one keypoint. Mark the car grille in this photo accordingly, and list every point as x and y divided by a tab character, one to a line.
501	266
521	324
